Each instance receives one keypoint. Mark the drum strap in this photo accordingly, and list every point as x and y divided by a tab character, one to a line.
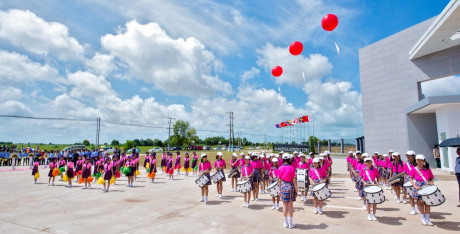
317	174
368	176
420	174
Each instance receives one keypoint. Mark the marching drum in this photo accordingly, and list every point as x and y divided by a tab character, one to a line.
302	180
374	194
202	181
321	191
409	188
244	186
431	195
232	173
274	189
217	177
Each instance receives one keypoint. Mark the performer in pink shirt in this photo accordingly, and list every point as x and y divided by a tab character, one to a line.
220	165
274	177
205	168
302	164
370	174
234	165
420	176
247	172
408	167
288	190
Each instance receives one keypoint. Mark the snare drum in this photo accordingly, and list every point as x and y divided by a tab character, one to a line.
244	186
409	188
321	191
218	176
202	180
232	173
431	195
374	194
274	189
302	180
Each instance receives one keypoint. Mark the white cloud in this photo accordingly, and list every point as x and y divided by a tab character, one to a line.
19	69
316	66
26	30
12	107
10	93
247	75
101	64
89	85
145	90
177	67
442	87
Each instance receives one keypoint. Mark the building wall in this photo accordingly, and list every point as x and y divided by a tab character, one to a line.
448	121
422	135
389	85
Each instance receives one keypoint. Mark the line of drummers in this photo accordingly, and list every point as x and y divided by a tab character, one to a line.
283	176
412	179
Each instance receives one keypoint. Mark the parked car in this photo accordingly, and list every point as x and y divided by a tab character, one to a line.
109	149
224	148
217	148
74	147
155	150
131	150
176	148
258	147
251	147
206	147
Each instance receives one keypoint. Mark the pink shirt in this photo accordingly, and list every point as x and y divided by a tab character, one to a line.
350	160
375	160
382	163
325	165
301	165
286	173
295	162
280	162
374	173
220	163
247	170
408	168
88	166
241	162
425	172
397	168
205	166
234	162
274	172
256	164
321	172
108	166
387	160
52	165
70	165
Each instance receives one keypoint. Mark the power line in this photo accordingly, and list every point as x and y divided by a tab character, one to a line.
169	131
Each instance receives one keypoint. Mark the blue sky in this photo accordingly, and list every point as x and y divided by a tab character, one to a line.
142	61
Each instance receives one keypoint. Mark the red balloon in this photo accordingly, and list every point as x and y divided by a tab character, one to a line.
277	71
330	22
296	48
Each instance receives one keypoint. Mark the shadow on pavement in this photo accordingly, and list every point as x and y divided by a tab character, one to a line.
213	203
391	220
439	215
451	226
335	214
309	227
388	209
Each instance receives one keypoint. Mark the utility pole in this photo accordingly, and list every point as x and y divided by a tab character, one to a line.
169	131
230	140
98	132
239	138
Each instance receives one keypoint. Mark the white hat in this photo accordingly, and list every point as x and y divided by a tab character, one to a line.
385	155
321	155
358	152
391	151
316	160
247	157
376	153
302	155
249	152
242	153
204	155
367	159
271	155
234	154
282	152
350	152
275	160
312	153
410	152
420	156
220	153
320	158
254	155
277	156
263	152
396	153
286	156
295	152
365	155
326	152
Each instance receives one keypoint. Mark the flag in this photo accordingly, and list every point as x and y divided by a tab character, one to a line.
296	120
305	119
277	125
283	124
289	123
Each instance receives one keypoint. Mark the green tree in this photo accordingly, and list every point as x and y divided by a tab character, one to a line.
115	142
128	145
180	135
86	142
312	143
192	136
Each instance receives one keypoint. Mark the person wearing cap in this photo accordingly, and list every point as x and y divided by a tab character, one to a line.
350	159
421	175
303	165
186	163
317	175
132	166
397	168
457	173
234	164
86	174
70	173
163	163
288	190
136	160
407	168
295	159
109	172
310	160
328	164
325	165
247	173
62	163
274	177
152	167
257	176
266	165
389	161
382	166
357	165
170	166
220	165
177	165
204	169
375	158
194	164
146	160
79	166
369	174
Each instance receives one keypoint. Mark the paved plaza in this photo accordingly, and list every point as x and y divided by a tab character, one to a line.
171	207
